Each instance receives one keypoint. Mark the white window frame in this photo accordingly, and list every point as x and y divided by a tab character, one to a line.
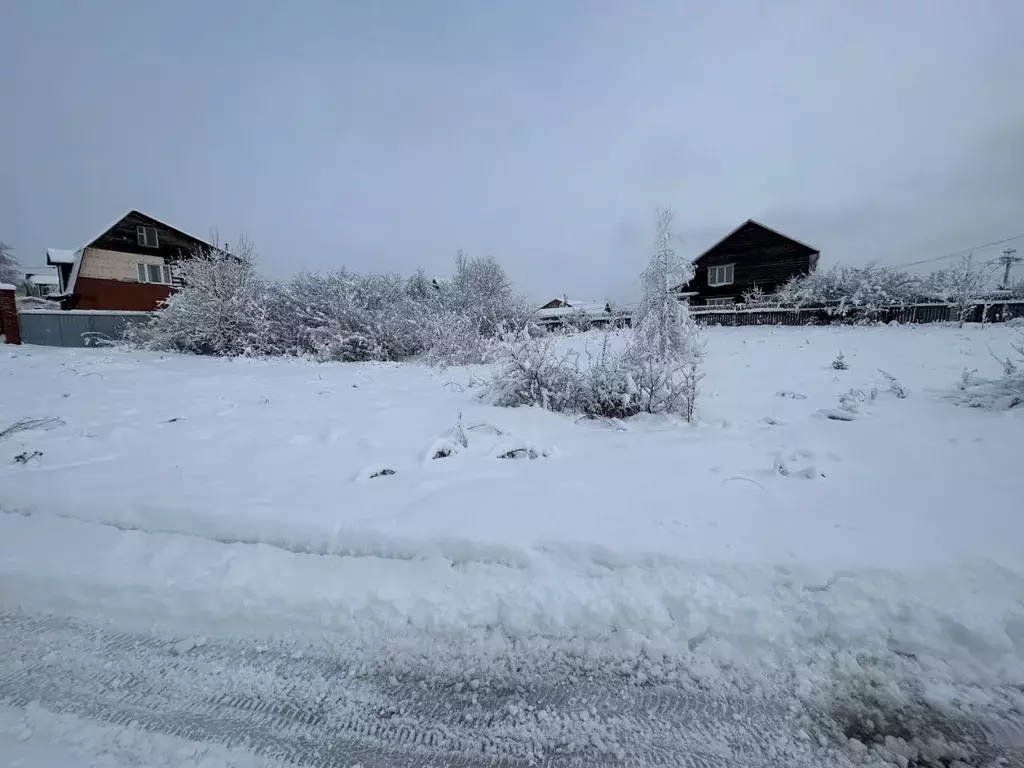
142	234
142	272
721	302
721	274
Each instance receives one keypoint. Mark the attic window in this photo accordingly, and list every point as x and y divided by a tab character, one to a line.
147	236
720	275
154	273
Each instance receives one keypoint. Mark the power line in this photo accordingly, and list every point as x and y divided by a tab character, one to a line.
964	252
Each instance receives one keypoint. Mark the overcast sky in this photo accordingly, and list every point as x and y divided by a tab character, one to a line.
384	135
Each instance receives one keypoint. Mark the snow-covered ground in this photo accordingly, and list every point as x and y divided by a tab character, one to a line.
768	545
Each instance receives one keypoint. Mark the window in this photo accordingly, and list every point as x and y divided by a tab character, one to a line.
720	275
721	303
147	236
154	273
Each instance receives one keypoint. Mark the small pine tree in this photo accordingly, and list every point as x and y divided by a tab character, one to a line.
839	363
665	351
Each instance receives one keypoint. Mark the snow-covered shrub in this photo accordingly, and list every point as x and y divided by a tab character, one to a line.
846	288
579	321
961	285
664	353
481	290
607	389
894	385
223	307
1004	392
756	298
839	363
346	347
532	372
455	339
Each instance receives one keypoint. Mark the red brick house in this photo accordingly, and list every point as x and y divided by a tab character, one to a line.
128	266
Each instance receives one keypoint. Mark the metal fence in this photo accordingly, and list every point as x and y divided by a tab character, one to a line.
75	328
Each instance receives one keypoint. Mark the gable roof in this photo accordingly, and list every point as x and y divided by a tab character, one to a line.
756	224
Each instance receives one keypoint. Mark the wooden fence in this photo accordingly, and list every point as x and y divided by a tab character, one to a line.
991	312
988	312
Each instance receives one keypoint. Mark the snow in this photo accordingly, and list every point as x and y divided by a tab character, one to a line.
214	496
36	738
6	287
61	256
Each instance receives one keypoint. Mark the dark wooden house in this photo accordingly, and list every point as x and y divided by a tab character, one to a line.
751	256
128	266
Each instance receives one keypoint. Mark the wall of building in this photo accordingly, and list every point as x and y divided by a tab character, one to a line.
93	293
99	264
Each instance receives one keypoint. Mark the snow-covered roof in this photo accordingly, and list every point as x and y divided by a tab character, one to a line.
575	305
42	279
61	256
6	287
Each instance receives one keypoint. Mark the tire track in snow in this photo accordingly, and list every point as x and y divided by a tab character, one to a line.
316	709
319	706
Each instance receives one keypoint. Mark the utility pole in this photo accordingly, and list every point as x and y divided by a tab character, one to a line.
1008	259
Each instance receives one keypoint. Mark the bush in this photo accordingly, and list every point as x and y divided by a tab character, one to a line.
222	308
225	308
851	288
659	371
1003	392
531	372
607	389
456	340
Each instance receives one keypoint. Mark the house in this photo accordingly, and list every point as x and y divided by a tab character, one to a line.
40	282
751	256
128	266
558	311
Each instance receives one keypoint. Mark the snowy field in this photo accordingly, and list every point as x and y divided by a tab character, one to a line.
842	570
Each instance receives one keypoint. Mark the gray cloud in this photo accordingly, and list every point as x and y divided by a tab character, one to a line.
387	135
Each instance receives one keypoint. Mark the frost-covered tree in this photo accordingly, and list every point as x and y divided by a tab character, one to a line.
10	267
221	308
481	290
844	288
664	353
961	285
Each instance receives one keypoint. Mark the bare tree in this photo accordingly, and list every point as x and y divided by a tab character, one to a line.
10	267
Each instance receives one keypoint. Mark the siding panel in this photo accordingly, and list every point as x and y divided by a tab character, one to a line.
111	265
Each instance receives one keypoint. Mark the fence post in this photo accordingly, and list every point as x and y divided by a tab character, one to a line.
9	314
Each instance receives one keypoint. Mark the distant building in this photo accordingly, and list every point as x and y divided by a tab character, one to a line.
750	256
130	265
558	311
41	282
